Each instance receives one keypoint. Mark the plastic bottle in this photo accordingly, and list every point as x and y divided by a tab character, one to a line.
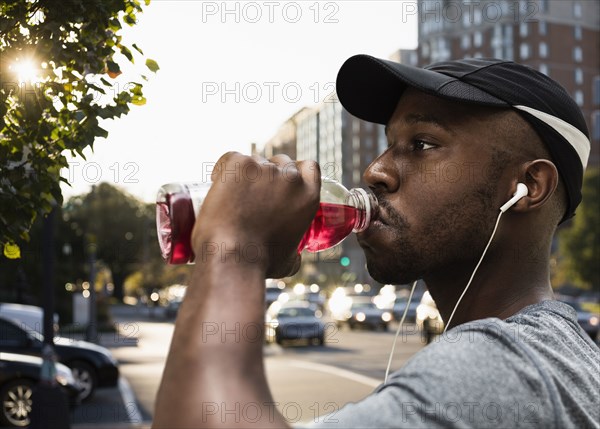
341	212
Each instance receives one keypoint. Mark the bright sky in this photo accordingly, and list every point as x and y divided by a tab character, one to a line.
230	74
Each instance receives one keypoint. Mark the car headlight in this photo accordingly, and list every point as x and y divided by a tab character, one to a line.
64	376
386	317
594	321
360	317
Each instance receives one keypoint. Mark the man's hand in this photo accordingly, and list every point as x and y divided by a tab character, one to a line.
257	211
248	229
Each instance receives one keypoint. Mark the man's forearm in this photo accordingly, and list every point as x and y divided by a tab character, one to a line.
215	364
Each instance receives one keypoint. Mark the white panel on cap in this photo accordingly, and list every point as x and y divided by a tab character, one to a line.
573	135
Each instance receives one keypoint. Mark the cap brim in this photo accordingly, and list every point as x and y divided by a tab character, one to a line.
369	88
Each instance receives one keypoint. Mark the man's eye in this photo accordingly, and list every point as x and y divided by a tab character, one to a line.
419	145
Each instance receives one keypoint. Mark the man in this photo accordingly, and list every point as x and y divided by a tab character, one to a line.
461	136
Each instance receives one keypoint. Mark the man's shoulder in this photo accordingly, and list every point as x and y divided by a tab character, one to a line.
474	345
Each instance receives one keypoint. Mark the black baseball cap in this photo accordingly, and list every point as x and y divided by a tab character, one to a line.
370	88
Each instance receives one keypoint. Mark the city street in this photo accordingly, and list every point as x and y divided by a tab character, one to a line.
306	381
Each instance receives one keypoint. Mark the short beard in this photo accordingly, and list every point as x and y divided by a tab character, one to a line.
457	235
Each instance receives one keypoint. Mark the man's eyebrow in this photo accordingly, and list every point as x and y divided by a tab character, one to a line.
416	118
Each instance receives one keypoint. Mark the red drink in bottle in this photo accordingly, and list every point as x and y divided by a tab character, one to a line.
332	223
340	212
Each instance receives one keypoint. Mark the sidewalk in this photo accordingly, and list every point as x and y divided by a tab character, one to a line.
125	335
115	407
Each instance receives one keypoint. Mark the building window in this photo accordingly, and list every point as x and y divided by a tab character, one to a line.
597	91
524	51
413	58
477	39
577	9
542	28
577	32
381	139
544	69
477	16
425	50
508	42
543	5
577	54
578	76
466	20
543	50
523	29
465	41
596	125
579	97
497	41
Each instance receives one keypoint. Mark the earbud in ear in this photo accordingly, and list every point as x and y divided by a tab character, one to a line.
520	193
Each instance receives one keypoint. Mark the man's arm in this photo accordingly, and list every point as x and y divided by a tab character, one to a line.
247	231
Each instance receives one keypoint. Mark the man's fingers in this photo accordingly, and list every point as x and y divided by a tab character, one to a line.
310	172
221	165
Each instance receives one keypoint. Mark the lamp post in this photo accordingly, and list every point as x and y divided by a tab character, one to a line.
91	333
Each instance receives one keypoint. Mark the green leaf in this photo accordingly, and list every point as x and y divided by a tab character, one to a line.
138	100
75	39
125	51
137	48
101	132
113	67
152	65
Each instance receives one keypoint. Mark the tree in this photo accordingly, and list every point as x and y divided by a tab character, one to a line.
579	244
121	227
55	58
122	230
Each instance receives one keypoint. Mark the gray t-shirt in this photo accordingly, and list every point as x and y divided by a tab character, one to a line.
537	368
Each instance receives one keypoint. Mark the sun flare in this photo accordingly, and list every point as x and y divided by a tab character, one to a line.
26	70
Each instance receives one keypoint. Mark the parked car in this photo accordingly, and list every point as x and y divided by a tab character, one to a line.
18	375
363	313
93	366
272	293
172	307
429	320
30	317
400	305
293	321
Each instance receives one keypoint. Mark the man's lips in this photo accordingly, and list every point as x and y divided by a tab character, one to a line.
380	219
375	226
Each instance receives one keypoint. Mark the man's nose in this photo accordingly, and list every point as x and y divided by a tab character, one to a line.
382	174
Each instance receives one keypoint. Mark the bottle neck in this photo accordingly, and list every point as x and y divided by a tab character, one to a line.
367	206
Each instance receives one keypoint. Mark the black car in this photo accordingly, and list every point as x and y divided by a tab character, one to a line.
294	321
400	305
363	313
271	295
172	308
93	366
18	375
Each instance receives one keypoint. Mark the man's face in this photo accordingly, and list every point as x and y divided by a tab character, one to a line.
437	187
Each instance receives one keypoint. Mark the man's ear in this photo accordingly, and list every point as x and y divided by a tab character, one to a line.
541	178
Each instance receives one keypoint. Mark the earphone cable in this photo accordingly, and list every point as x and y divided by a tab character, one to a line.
474	271
412	290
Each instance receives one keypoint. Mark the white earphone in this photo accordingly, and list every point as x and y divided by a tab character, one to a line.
520	193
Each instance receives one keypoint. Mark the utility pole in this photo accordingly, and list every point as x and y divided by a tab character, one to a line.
50	407
91	333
